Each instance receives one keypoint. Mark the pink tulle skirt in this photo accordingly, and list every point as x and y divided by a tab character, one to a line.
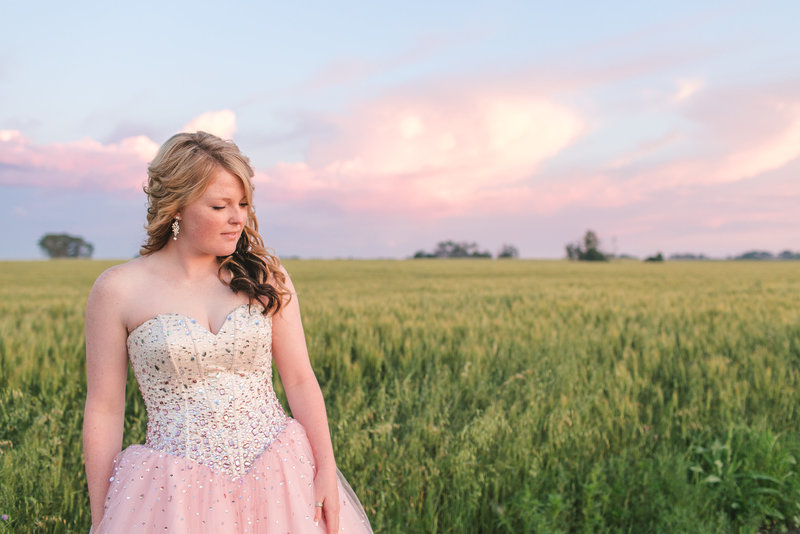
152	491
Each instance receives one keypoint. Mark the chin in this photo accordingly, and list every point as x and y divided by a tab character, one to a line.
224	251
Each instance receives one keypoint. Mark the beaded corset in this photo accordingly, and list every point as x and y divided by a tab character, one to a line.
209	397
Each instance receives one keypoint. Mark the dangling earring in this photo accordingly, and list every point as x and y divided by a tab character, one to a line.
176	228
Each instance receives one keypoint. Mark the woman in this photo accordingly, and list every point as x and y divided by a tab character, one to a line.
201	314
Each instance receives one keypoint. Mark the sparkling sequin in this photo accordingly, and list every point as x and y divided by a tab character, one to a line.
191	413
217	438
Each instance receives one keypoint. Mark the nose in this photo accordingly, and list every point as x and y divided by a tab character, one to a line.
239	216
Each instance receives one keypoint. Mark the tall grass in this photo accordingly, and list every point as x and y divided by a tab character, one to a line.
480	396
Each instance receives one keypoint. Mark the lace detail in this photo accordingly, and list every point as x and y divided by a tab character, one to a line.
209	397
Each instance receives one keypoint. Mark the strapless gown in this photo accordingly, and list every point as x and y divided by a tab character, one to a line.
221	455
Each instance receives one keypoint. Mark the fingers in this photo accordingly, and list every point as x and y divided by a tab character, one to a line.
326	503
317	515
332	516
331	512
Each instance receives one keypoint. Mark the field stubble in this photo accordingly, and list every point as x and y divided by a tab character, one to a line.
479	396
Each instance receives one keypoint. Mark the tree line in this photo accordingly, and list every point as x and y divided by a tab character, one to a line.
465	249
588	249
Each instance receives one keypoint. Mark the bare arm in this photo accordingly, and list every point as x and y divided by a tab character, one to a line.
106	372
305	400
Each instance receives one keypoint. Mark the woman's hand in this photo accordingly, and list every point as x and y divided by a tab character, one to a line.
327	493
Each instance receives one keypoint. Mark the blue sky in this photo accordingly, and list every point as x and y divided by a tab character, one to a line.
378	129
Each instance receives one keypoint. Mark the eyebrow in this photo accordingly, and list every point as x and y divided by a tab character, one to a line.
244	197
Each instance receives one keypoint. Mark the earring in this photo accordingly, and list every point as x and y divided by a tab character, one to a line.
176	228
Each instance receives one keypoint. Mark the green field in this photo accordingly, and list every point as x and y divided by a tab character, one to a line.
480	395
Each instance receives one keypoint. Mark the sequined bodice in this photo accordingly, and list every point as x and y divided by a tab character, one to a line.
209	397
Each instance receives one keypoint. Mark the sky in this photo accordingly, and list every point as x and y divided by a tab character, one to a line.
378	129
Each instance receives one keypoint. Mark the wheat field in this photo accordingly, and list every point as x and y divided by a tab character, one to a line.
479	395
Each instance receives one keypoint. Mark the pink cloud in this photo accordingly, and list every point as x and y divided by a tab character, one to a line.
482	153
750	153
456	152
409	154
88	163
83	163
772	153
686	88
698	159
221	123
455	149
645	149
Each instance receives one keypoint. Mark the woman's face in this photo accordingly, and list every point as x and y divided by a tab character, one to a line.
213	223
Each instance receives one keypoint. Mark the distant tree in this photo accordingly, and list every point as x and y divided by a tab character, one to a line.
755	255
593	254
453	249
688	256
508	251
789	255
657	257
65	246
460	249
590	241
573	251
588	250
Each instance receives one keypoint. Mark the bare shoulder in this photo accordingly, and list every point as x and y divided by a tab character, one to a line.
115	287
287	280
283	270
114	281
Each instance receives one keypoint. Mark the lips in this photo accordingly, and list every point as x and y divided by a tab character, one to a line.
230	235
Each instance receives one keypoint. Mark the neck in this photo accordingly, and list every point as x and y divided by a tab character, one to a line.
188	264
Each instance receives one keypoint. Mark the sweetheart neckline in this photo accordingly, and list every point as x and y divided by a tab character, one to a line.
191	319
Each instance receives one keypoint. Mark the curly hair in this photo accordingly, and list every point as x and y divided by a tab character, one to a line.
179	175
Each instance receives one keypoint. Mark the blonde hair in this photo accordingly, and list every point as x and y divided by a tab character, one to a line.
179	175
